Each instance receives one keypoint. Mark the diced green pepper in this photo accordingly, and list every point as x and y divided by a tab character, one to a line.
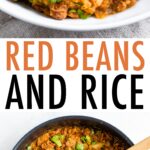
83	139
86	138
54	1
57	139
29	147
92	131
72	11
79	146
94	142
82	14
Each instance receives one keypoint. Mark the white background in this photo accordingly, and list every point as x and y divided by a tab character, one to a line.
14	123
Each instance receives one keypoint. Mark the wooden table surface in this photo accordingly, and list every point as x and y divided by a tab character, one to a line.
12	28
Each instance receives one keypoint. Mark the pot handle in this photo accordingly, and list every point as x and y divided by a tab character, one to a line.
143	145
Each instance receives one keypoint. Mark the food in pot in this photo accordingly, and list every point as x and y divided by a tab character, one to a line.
76	138
61	9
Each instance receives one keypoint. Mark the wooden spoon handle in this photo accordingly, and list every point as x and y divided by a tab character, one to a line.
143	145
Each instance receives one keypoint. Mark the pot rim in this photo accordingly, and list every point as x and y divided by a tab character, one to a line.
57	119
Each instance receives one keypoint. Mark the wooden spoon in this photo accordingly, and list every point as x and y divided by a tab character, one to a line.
143	145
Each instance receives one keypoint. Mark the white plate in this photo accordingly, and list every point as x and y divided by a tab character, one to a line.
140	11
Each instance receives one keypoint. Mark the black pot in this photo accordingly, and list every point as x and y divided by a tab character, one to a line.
71	120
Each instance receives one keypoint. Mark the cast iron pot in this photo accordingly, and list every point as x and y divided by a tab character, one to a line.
71	120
